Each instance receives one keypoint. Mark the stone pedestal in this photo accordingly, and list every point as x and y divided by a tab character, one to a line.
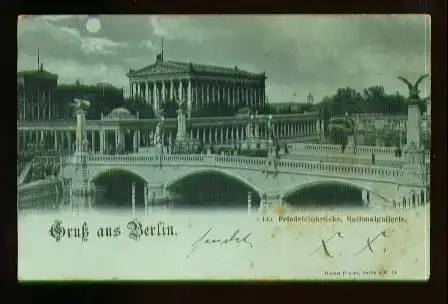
350	142
413	124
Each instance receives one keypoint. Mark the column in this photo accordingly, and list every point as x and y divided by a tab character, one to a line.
93	142
69	141
180	90
117	139
171	89
189	98
135	141
147	93
208	93
246	89
55	140
102	135
251	94
163	95
233	94
154	95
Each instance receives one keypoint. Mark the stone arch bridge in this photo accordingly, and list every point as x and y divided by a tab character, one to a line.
385	187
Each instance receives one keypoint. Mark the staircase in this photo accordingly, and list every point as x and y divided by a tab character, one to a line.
24	173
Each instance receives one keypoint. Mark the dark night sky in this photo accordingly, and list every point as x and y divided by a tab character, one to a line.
300	54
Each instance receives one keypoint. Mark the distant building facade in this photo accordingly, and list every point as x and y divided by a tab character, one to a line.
200	86
36	95
103	97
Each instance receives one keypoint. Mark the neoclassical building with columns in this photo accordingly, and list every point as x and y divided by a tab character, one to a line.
198	85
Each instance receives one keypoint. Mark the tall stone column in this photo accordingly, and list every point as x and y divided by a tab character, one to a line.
413	124
171	89
181	93
102	135
189	98
81	135
55	139
117	139
233	95
156	103
93	141
163	95
147	93
135	141
208	93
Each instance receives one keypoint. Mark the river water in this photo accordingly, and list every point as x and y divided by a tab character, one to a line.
97	202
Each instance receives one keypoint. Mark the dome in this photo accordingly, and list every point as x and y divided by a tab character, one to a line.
120	112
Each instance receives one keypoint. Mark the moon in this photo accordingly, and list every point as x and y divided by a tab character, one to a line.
93	25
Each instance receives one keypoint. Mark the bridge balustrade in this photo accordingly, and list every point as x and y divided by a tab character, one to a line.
359	149
346	159
340	169
253	163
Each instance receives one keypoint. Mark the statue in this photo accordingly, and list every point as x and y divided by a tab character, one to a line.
413	88
157	136
81	104
181	125
249	134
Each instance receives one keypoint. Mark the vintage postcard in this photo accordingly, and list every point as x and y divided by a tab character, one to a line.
239	147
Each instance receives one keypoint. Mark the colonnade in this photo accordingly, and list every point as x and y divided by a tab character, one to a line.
131	138
42	110
199	92
51	139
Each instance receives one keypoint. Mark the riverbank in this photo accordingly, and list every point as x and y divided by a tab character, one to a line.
30	192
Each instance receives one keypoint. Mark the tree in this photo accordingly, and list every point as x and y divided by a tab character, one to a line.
140	106
170	108
373	99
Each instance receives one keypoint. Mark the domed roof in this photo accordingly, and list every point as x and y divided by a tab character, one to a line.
119	113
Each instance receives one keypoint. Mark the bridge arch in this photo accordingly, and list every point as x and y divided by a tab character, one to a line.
336	182
226	173
118	187
127	171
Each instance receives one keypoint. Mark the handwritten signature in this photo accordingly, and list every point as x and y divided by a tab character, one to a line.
235	238
369	242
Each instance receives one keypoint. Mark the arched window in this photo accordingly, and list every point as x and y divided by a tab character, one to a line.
422	197
404	202
413	200
368	197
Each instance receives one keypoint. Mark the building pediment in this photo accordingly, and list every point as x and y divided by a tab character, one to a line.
158	68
